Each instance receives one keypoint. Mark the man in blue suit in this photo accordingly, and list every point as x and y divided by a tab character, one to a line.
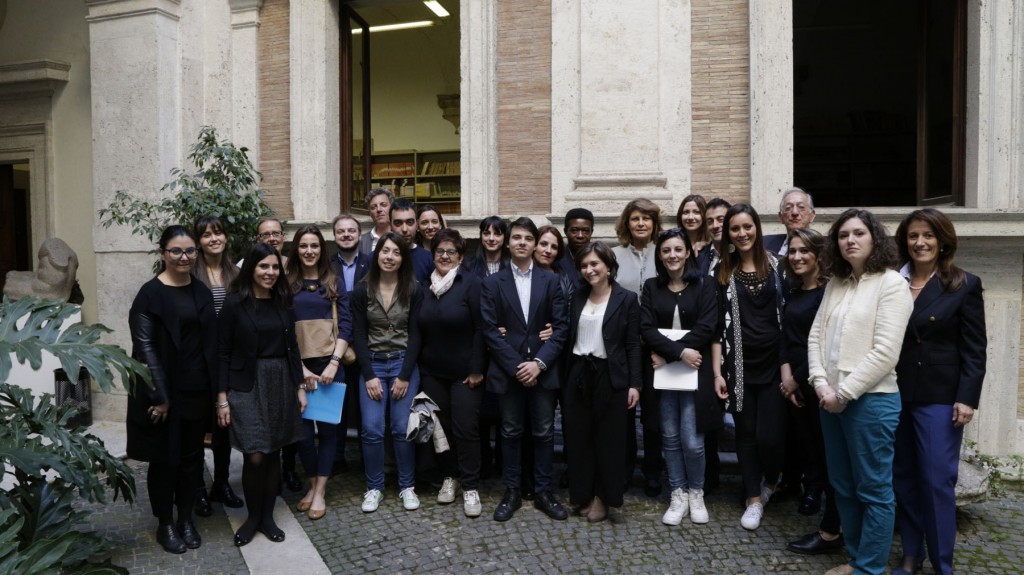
796	212
516	304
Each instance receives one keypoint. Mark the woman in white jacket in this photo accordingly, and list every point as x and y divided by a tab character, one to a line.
852	352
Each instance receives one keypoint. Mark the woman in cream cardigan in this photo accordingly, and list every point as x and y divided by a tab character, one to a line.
852	352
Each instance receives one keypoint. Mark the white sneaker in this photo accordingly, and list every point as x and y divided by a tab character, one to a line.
678	507
751	519
447	493
471	503
371	500
409	499
698	512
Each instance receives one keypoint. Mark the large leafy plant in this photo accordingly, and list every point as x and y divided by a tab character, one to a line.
224	184
47	466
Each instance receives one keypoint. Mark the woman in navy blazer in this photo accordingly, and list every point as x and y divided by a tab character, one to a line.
940	372
603	384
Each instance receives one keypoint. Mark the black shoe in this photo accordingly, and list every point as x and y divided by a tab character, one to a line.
813	544
291	481
547	503
189	535
168	538
273	532
223	493
652	487
811	504
244	535
510	502
202	505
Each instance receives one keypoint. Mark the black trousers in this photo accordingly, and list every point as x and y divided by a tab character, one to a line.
460	419
595	432
760	436
174	483
811	454
650	419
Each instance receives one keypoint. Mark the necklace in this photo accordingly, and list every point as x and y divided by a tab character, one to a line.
917	288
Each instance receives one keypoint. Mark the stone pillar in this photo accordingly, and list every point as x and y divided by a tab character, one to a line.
315	128
478	25
136	84
245	108
620	103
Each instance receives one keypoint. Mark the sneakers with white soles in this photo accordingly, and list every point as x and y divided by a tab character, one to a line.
371	500
751	519
471	503
409	499
447	493
678	507
698	512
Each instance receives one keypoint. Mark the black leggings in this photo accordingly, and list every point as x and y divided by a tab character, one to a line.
174	484
261	479
760	436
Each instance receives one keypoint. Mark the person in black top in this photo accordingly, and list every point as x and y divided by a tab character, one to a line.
492	255
803	267
452	363
173	328
261	389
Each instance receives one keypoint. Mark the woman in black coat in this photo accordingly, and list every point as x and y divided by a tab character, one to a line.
940	372
261	391
679	297
603	385
173	328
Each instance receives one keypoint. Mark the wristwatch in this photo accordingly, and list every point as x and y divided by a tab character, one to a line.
841	399
336	358
543	366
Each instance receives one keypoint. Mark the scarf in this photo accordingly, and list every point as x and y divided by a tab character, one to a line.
440	284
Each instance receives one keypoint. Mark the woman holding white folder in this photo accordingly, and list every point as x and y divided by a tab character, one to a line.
679	298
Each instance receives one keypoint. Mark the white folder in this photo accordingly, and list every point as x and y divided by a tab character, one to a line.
676	375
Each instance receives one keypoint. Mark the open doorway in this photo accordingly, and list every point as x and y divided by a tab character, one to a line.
399	104
15	220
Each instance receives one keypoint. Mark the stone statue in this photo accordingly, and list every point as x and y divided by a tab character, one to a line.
54	276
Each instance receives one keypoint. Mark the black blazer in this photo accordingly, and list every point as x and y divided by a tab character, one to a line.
239	343
500	307
698	312
153	321
774	242
621	333
943	356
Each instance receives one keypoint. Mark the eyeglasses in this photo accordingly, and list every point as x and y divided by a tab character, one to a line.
802	208
178	253
451	253
268	235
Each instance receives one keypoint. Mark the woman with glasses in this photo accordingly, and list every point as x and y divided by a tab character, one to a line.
214	268
452	361
324	324
680	298
385	328
261	389
174	332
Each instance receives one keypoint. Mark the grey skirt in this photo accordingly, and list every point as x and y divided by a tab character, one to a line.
267	418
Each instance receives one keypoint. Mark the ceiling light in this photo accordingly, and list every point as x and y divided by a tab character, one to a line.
436	8
399	26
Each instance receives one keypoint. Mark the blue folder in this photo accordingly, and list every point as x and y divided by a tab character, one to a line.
325	404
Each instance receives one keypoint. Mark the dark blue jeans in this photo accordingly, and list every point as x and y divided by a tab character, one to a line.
318	459
513	406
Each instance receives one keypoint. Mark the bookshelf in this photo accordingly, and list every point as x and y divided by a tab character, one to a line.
420	176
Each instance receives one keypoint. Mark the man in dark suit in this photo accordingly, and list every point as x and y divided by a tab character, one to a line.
351	265
516	304
578	228
796	212
378	202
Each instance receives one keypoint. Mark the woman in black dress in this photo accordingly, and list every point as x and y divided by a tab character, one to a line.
261	390
174	332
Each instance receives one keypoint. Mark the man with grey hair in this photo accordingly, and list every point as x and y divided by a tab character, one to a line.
378	202
796	212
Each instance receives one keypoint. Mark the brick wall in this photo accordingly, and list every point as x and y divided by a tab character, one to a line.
275	151
721	99
524	106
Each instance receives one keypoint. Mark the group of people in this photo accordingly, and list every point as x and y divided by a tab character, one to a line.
849	363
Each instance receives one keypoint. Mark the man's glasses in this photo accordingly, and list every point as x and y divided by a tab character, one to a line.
268	235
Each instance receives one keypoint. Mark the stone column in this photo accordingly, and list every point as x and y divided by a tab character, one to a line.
315	128
620	103
245	109
478	25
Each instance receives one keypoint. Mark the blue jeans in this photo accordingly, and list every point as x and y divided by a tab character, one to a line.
513	405
682	444
318	458
373	412
859	447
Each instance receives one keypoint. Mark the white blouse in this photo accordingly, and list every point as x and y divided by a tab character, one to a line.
589	335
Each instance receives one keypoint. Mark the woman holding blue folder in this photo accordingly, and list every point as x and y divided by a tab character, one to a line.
323	325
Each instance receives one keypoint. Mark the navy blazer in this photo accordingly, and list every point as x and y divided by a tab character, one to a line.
944	350
500	307
238	345
620	330
773	242
362	268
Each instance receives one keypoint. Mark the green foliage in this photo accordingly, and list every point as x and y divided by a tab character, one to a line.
224	184
48	466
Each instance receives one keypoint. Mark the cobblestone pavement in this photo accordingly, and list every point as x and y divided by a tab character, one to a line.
440	539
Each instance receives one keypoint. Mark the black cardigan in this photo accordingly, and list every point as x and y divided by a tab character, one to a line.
451	330
358	300
239	344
